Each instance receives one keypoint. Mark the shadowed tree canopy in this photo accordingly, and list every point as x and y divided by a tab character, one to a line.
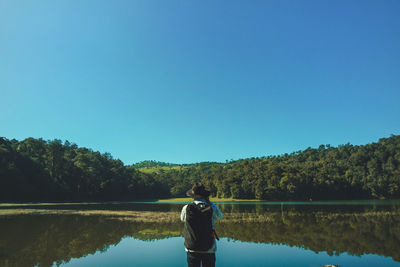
38	170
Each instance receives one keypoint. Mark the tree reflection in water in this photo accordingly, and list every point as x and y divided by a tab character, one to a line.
29	240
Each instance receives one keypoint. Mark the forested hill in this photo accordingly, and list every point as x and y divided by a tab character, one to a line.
153	164
39	170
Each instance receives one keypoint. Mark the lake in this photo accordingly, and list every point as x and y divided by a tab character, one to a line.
354	233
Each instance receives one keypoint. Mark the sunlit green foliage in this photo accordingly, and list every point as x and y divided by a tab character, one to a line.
37	170
346	172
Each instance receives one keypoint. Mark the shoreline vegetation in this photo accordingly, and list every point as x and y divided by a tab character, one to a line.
174	216
184	200
35	170
212	199
136	216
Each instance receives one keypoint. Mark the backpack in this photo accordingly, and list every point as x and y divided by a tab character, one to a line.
198	231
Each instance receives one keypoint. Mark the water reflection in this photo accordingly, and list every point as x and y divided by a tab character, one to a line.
29	240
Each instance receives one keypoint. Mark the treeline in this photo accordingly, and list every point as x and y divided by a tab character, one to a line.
35	169
369	171
152	164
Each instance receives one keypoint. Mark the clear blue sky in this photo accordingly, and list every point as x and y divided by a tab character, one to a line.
189	81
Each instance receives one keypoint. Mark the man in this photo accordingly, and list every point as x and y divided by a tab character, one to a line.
199	231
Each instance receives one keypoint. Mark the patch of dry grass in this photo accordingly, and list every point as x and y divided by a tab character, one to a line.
213	199
139	216
172	217
46	204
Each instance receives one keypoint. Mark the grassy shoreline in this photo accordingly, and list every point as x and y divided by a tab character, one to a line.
174	216
138	216
213	199
167	200
188	200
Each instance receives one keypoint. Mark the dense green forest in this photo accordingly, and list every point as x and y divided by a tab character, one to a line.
39	170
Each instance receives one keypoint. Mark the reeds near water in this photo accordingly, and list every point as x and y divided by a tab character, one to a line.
172	216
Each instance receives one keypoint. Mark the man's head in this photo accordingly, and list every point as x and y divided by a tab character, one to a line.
198	191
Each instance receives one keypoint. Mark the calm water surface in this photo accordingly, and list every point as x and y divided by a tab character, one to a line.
363	233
